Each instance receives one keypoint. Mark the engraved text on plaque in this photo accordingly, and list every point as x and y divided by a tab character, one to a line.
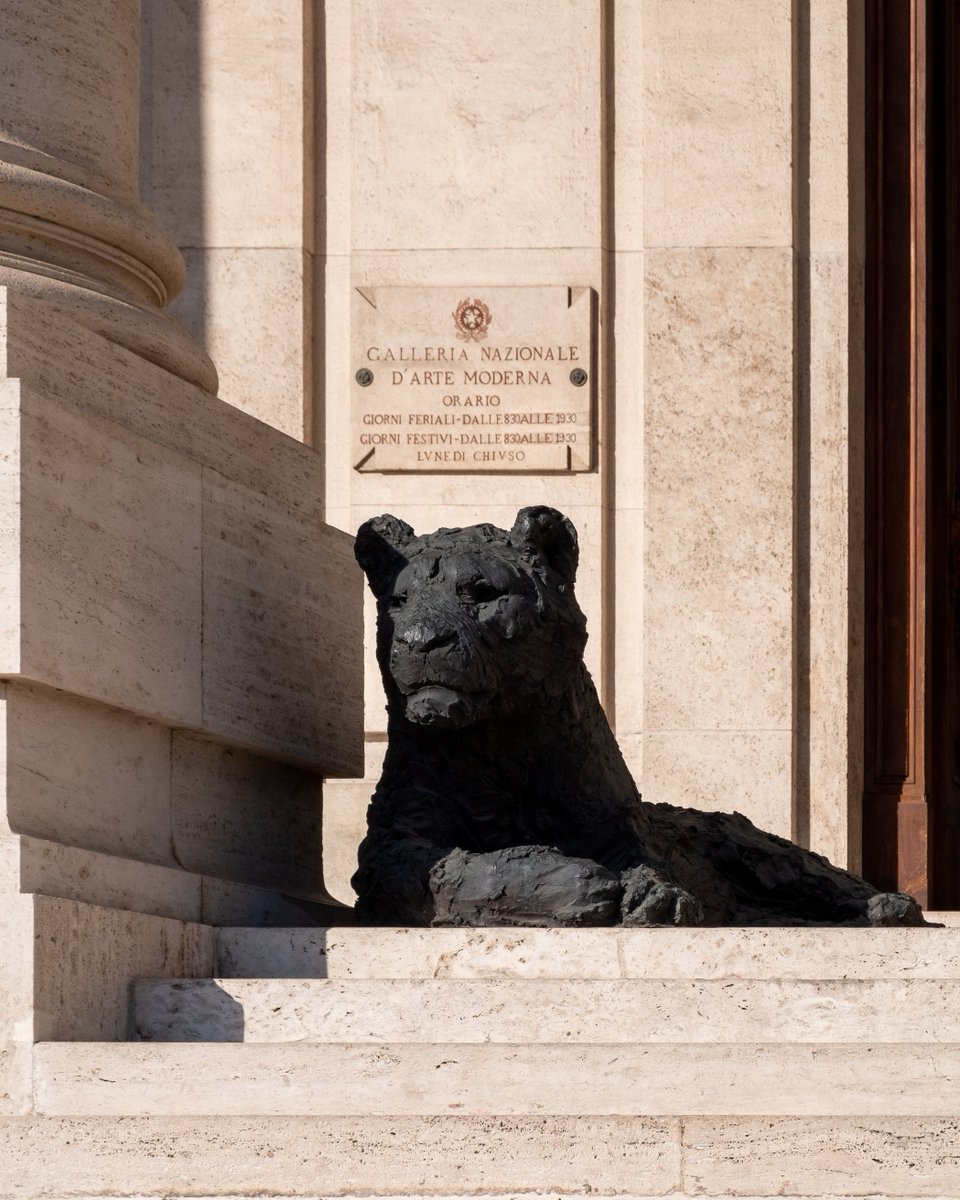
473	378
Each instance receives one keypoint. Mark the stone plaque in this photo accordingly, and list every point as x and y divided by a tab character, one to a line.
473	378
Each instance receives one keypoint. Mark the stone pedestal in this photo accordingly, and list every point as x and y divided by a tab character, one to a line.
179	629
601	1062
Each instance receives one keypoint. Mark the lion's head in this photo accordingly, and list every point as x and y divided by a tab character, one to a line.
473	623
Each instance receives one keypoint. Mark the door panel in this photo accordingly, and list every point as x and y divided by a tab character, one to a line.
943	461
895	814
912	719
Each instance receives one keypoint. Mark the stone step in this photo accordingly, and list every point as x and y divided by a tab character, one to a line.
491	1079
353	1157
614	1011
805	953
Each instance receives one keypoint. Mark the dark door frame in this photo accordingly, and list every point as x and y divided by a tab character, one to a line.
911	807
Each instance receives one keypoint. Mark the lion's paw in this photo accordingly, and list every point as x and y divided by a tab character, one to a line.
894	908
522	885
649	898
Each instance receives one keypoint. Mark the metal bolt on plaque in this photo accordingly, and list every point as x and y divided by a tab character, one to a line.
364	377
578	377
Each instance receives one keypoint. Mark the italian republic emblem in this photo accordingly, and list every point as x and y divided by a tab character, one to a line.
472	319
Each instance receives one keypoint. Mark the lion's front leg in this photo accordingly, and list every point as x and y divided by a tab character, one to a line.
523	885
650	897
392	880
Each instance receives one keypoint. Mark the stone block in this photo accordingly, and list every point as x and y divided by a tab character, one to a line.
86	775
333	30
626	546
10	516
309	1157
251	309
244	952
739	770
623	137
85	958
718	123
825	953
257	479
16	1077
332	423
490	1079
437	499
345	803
280	634
885	1155
614	1011
226	155
523	128
581	263
833	54
82	371
629	630
631	747
49	868
227	166
830	619
948	917
836	953
719	491
237	816
171	147
104	515
16	990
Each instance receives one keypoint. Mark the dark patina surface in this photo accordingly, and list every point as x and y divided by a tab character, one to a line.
504	798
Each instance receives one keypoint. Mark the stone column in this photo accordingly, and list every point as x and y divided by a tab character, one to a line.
72	229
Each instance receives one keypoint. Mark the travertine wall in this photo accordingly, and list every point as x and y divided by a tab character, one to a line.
227	168
686	159
718	492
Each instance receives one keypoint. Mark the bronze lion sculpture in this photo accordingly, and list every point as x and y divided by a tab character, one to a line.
504	798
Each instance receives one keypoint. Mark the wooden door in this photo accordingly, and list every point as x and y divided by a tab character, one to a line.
911	811
943	459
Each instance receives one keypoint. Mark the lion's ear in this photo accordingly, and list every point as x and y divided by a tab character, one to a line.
379	549
551	536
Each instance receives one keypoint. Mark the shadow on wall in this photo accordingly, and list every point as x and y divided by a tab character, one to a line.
171	144
292	954
189	1010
